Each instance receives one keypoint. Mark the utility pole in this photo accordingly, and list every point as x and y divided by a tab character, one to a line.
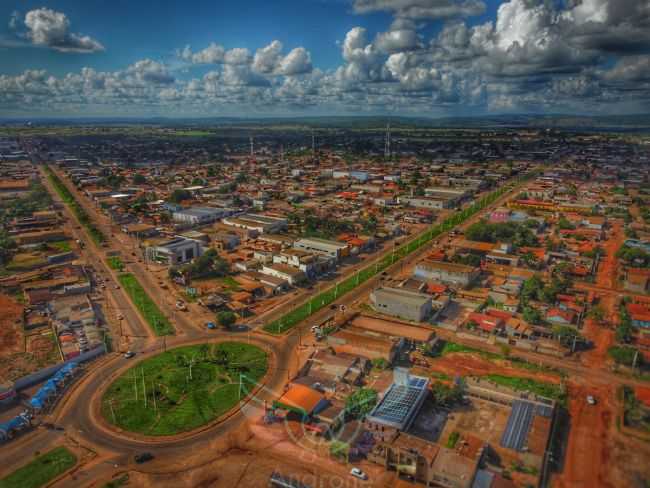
155	405
144	388
387	143
110	404
135	386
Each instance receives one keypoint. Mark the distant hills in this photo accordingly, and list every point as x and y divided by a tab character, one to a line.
637	122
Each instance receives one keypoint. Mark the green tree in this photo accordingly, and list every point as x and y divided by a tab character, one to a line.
566	335
226	319
179	195
361	402
139	179
597	313
445	395
625	355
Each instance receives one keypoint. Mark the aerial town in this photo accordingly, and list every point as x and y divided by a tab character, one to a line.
316	306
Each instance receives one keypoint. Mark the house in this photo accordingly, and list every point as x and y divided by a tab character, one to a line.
258	223
639	315
198	215
326	247
301	400
560	316
447	273
290	274
175	251
486	323
637	280
140	230
398	302
226	241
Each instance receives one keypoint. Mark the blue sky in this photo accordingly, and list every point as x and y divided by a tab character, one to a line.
412	57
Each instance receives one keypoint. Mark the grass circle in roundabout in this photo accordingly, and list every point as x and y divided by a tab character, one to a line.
183	388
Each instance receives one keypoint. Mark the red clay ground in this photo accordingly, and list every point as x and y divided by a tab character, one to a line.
471	364
597	454
602	335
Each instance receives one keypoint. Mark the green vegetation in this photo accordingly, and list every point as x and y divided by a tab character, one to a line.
139	179
567	335
116	483
340	450
634	256
447	396
7	246
517	234
452	440
84	219
226	319
183	388
635	414
37	199
380	364
115	263
208	265
61	246
540	388
41	470
149	310
179	196
535	289
625	329
361	402
330	295
626	355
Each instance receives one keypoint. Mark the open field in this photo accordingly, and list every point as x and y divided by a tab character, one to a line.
149	310
327	297
41	470
184	388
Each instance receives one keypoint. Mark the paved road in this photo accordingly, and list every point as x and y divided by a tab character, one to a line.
75	413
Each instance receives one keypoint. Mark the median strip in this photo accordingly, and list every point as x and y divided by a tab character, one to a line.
41	470
84	219
149	310
297	315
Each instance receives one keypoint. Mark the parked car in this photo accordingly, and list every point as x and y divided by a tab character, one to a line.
591	400
129	354
143	457
357	473
211	325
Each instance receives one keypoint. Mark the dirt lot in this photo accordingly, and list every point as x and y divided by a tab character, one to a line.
11	333
248	459
597	454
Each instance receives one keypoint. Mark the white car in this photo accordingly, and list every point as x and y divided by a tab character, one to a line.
357	473
129	354
591	400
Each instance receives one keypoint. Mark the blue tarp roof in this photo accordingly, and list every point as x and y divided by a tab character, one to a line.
13	423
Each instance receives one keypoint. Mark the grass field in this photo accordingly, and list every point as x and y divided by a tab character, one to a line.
541	388
149	310
41	470
84	219
61	246
115	263
327	297
184	388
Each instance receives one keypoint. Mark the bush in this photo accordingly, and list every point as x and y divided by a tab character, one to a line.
625	355
361	402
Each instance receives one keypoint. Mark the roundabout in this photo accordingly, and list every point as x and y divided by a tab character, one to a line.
183	389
